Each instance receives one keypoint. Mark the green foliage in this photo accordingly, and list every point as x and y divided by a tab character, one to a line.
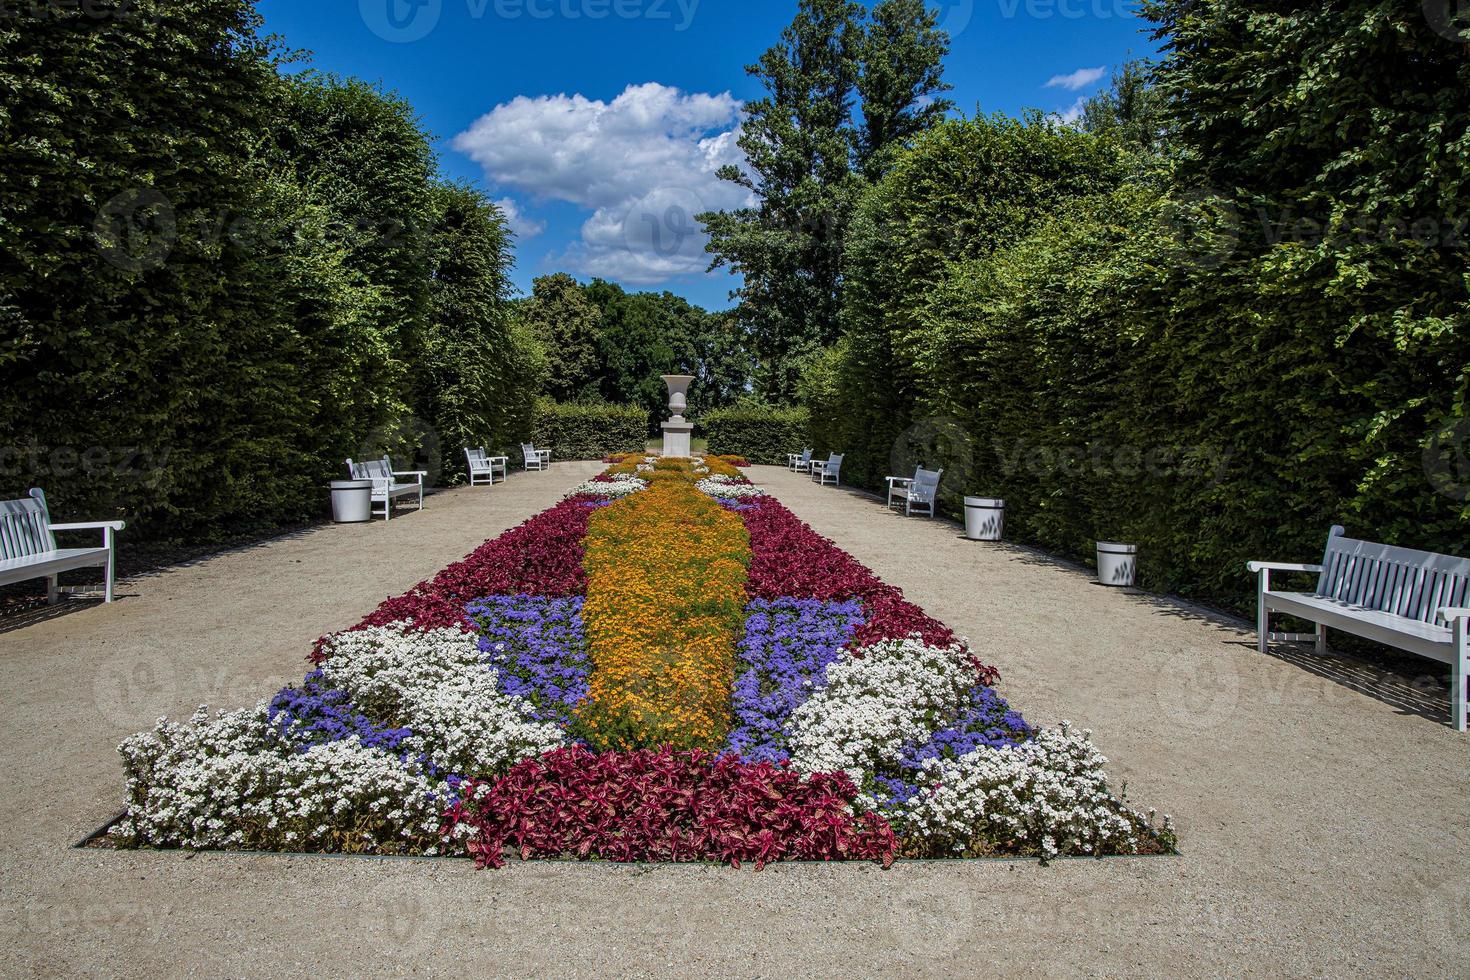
219	282
805	160
966	188
480	370
1268	334
584	431
644	336
566	324
762	434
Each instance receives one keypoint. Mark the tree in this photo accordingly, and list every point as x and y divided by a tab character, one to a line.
1131	111
901	74
481	374
566	324
804	156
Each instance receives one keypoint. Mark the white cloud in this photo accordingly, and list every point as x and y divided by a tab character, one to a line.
644	164
1073	112
519	222
1079	79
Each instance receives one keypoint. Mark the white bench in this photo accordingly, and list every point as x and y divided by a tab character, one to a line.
831	469
28	545
919	490
799	462
484	467
536	459
386	488
1412	600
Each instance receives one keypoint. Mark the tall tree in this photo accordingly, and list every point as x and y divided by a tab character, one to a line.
805	154
566	323
901	76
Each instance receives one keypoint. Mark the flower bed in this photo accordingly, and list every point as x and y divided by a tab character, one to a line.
666	666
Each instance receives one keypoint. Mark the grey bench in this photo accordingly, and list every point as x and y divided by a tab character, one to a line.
1412	600
28	545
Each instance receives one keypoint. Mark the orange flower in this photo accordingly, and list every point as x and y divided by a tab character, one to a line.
665	607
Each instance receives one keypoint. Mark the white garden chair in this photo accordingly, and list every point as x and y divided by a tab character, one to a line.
799	462
28	546
386	488
919	490
536	459
483	467
828	470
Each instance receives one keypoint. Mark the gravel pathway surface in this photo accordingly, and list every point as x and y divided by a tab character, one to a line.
1321	802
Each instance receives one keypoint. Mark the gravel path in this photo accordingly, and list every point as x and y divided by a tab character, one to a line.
1321	803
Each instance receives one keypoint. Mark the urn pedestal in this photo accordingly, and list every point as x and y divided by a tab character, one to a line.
678	433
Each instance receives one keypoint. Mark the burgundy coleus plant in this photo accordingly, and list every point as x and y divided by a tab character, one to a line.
666	806
789	559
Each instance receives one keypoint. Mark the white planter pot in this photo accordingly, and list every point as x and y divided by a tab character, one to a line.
1117	564
352	501
985	518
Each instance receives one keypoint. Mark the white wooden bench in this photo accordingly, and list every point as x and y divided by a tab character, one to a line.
483	467
386	488
919	490
830	469
28	545
799	462
1412	600
536	459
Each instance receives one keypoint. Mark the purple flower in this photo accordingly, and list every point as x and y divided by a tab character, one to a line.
783	660
539	649
314	715
987	722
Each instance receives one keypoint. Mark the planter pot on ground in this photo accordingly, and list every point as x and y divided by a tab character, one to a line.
985	518
352	501
1117	564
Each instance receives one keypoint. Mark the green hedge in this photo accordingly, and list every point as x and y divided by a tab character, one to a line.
230	285
590	431
761	435
1215	379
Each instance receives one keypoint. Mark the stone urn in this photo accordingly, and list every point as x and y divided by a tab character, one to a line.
677	432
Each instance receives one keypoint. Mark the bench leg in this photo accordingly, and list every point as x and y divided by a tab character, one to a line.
1263	615
1458	671
53	591
1321	640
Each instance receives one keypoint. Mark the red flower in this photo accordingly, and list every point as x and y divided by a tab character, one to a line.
667	806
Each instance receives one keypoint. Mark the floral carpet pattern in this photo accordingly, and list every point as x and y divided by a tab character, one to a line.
666	666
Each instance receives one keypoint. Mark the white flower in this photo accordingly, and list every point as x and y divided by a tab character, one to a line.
1049	792
723	486
621	486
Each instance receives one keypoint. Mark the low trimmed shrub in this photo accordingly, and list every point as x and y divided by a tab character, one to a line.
759	434
590	431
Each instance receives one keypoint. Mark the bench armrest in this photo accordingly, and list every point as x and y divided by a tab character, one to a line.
900	479
1281	566
418	473
91	526
1452	613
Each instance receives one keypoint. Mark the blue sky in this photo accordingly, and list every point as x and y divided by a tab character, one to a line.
598	123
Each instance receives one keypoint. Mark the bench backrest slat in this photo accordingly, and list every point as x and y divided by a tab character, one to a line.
926	484
1401	581
380	471
25	527
477	459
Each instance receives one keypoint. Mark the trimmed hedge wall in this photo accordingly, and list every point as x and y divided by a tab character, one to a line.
590	431
761	435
